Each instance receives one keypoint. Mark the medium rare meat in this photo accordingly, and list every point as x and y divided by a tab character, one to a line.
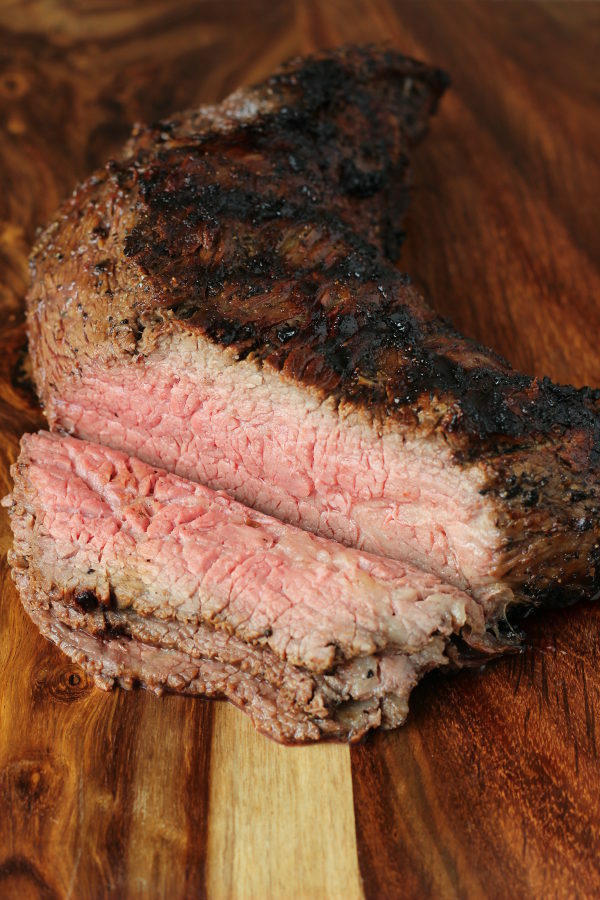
141	576
220	302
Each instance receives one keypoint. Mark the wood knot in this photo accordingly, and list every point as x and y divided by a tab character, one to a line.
13	85
63	684
20	877
31	785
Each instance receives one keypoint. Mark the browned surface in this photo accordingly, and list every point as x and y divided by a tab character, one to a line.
491	789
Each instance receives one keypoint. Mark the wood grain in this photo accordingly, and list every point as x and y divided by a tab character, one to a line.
269	798
500	780
491	789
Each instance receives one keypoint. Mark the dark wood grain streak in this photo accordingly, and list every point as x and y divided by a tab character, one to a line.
514	163
196	806
491	789
492	786
98	790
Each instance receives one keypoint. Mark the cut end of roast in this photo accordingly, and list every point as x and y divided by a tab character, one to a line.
145	578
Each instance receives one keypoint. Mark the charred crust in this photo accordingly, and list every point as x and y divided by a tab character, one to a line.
86	601
269	268
270	233
112	630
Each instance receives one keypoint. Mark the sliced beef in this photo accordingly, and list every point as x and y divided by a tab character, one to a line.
220	302
288	703
141	538
141	576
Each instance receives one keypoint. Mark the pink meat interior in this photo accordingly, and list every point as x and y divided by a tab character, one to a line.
193	410
195	555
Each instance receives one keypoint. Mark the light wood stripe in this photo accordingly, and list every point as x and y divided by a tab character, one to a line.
281	819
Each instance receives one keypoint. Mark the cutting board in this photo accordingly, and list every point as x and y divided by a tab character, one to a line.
492	789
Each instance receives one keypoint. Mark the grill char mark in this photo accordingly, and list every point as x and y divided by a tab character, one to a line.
295	171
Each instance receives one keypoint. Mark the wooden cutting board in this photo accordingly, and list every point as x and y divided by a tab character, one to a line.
493	787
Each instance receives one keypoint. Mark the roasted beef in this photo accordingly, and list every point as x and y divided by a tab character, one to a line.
142	576
220	302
